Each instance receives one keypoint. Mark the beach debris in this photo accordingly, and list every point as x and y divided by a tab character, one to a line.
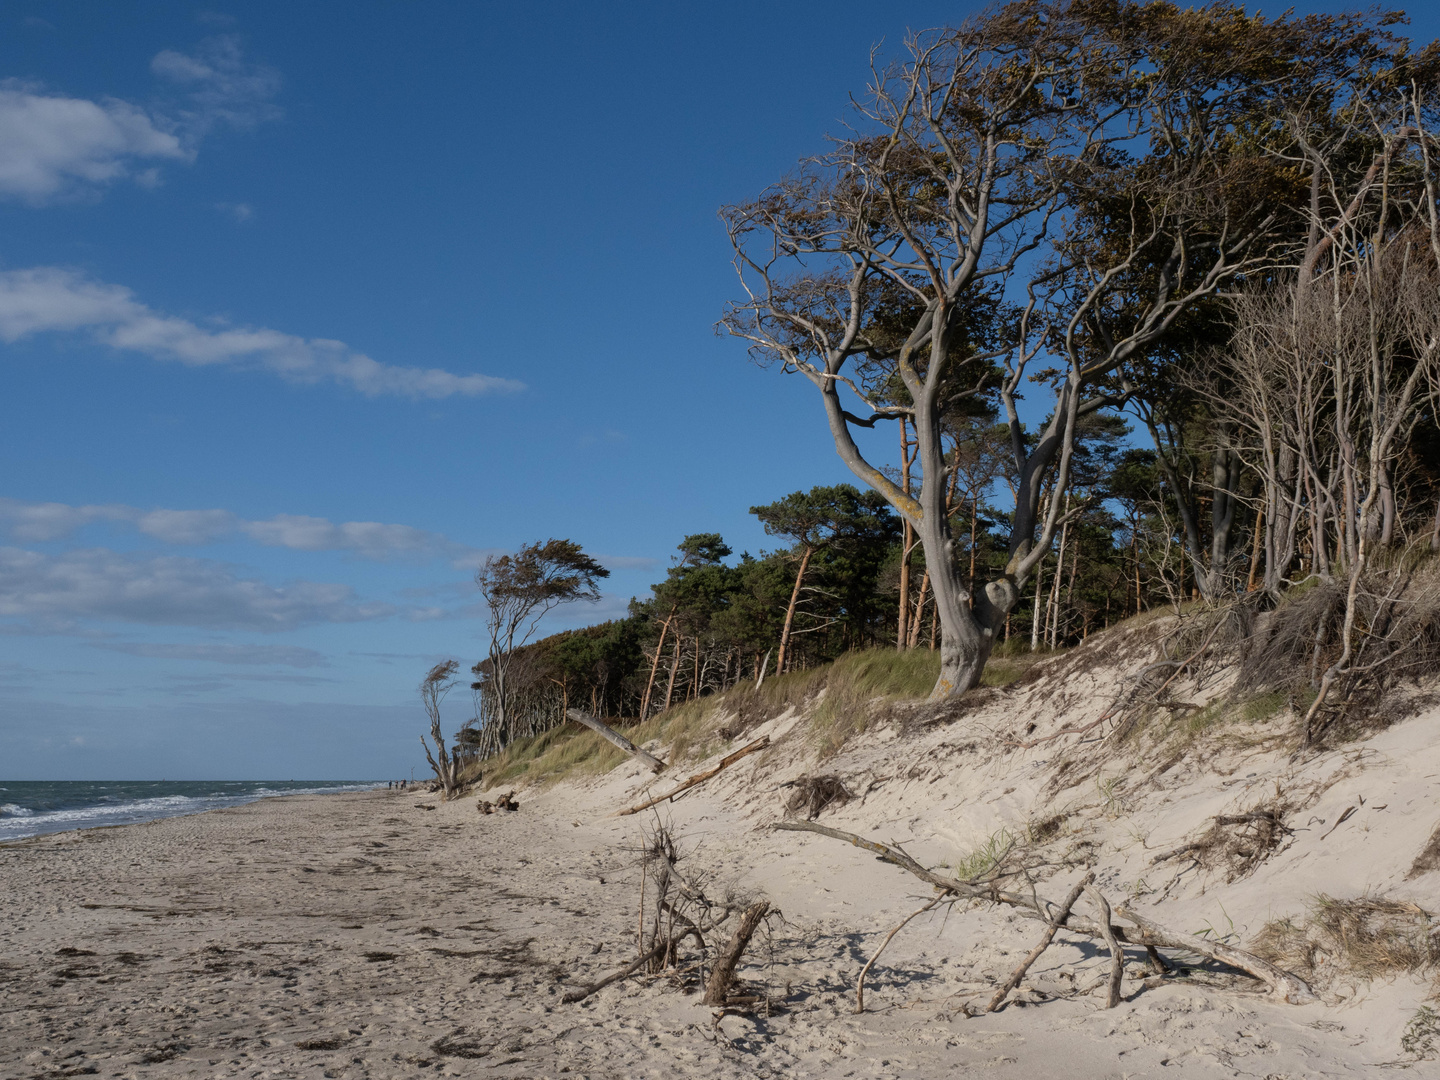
1057	917
610	735
699	778
1285	985
324	1042
674	908
1117	955
1261	832
424	806
504	802
669	945
816	794
1429	857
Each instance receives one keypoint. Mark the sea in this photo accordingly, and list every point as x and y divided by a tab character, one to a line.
32	807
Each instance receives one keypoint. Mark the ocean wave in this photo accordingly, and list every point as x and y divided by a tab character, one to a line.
17	822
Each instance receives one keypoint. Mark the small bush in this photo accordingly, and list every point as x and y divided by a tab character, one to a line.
986	858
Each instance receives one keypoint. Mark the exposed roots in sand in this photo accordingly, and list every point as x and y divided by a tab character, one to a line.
675	911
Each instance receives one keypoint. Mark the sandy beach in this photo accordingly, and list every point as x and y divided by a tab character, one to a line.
363	935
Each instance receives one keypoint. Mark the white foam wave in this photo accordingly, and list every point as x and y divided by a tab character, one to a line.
17	822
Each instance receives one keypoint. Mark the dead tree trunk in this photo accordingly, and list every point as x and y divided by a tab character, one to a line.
717	987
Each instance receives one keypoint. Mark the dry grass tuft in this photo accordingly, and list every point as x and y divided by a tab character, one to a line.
815	794
862	688
1364	938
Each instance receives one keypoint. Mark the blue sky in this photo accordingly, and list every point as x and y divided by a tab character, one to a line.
303	308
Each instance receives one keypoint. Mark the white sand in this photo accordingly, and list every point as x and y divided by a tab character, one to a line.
235	943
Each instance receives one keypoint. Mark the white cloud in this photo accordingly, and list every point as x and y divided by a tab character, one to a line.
35	521
164	591
185	526
241	212
286	655
53	146
52	299
50	521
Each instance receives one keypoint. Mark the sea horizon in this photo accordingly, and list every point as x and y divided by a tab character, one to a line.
38	807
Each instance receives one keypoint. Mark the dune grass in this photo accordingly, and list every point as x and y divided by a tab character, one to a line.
851	695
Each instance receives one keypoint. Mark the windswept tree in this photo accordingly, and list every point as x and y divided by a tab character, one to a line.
519	590
438	682
1077	172
815	519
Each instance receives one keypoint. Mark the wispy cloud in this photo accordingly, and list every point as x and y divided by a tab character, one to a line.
241	212
96	583
54	147
42	521
56	300
219	86
280	655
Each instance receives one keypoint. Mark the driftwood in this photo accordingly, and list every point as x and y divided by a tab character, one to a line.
860	982
717	988
1286	986
1117	954
699	778
661	949
1055	920
610	735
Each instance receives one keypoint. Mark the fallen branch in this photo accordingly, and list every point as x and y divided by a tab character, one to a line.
1181	850
582	992
723	973
860	982
613	737
699	778
1059	917
1286	986
1117	954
